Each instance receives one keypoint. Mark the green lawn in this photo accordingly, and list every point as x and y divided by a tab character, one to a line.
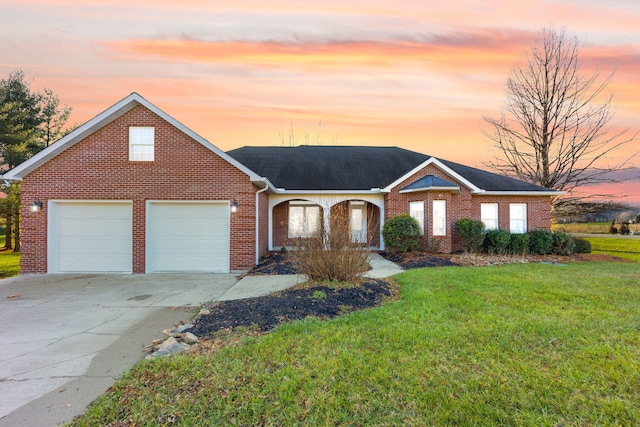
526	344
9	261
623	248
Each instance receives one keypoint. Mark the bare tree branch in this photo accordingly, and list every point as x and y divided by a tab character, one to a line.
553	132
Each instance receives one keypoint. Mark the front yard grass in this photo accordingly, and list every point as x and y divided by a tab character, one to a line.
526	344
623	248
9	261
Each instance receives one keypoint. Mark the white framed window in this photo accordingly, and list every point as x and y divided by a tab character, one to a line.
439	218
141	143
304	220
416	210
518	218
489	215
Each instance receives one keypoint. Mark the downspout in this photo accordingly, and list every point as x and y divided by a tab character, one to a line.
258	222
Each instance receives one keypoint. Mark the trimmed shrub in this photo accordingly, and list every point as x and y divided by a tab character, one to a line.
563	243
540	242
519	244
471	232
582	246
401	233
496	241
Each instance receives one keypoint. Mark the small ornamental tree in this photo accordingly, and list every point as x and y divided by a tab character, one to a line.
471	231
401	233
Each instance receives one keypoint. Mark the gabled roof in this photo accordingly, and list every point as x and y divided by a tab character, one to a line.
349	168
103	119
430	183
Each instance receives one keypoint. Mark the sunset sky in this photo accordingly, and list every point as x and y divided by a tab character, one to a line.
416	74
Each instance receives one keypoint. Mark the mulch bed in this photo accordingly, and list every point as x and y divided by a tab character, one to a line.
275	263
419	260
267	312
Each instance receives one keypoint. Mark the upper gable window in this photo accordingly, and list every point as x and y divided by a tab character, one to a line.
141	144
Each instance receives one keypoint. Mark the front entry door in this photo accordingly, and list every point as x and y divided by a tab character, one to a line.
358	217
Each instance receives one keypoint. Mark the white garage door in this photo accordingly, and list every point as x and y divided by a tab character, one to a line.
187	236
90	237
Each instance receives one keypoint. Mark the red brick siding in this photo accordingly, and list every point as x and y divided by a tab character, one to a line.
538	209
462	205
98	167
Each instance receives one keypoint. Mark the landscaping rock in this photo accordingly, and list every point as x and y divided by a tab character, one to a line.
168	347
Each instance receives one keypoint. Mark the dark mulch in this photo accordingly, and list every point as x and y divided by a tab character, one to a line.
419	260
269	311
275	263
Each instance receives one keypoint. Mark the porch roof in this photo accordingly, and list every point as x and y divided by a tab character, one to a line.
430	183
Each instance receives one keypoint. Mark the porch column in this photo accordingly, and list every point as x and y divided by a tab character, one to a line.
326	222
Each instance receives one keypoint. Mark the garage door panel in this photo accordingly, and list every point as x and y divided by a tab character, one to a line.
91	237
188	237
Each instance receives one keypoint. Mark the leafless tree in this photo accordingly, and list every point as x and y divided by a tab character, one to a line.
556	128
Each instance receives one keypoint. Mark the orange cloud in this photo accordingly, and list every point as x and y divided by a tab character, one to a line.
487	49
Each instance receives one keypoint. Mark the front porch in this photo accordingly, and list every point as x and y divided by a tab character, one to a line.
302	215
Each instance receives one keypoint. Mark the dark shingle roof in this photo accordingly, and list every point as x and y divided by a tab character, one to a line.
329	167
354	168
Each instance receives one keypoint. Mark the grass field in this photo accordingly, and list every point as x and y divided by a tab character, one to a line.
589	227
623	248
526	344
586	228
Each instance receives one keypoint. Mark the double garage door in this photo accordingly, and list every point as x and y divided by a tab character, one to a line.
97	237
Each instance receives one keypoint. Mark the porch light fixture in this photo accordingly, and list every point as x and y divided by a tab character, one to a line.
234	206
36	206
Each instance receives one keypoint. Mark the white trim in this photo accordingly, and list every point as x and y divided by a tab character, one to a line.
321	192
257	203
441	166
102	119
522	193
415	190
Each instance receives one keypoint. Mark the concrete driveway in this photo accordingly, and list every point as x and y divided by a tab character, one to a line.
64	339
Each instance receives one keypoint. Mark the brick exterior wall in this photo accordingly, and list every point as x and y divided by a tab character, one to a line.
462	205
98	168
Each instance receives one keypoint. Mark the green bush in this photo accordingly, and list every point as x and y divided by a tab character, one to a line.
496	241
471	232
401	233
540	242
518	244
582	246
563	243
